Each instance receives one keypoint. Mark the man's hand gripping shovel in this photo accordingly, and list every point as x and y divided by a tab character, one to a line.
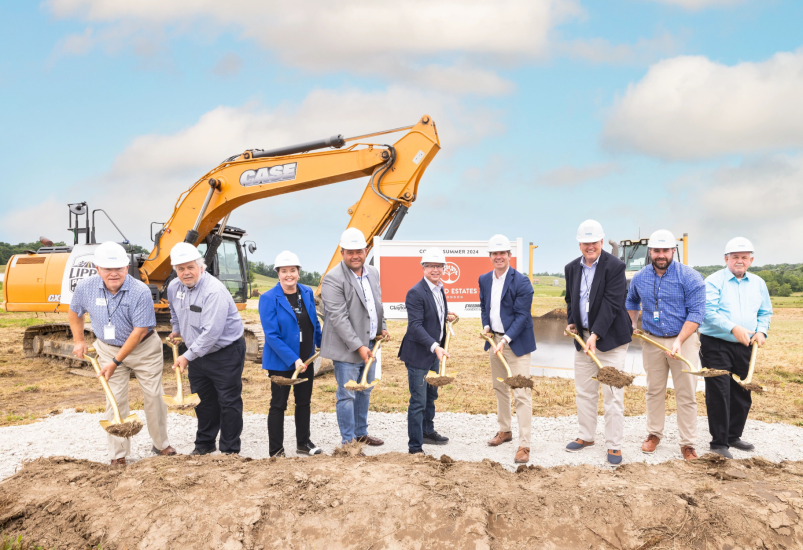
517	381
702	372
748	383
284	381
180	401
364	385
610	376
442	379
129	427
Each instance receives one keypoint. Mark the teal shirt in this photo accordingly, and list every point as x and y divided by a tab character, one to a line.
730	301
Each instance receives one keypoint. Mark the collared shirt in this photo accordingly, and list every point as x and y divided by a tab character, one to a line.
730	301
437	295
215	326
362	281
131	307
586	280
678	296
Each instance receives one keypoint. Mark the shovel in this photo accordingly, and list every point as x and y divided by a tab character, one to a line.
364	385
702	372
610	376
129	427
517	381
748	383
179	401
441	379
284	381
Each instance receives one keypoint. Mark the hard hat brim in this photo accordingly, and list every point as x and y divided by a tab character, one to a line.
110	265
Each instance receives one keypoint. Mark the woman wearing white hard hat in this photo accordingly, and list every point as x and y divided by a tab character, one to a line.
292	332
738	311
122	315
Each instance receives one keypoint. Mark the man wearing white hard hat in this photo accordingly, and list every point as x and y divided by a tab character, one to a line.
121	312
292	332
595	294
506	299
204	315
422	349
738	311
671	298
353	320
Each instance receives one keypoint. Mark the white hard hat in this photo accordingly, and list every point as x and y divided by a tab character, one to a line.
286	259
183	253
433	256
663	238
499	243
590	231
110	255
739	244
352	239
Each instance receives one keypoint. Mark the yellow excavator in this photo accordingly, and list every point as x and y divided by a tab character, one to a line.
44	280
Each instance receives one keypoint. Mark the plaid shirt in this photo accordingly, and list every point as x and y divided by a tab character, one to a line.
131	307
678	296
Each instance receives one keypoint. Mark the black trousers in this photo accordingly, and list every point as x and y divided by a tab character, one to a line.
302	393
217	378
727	402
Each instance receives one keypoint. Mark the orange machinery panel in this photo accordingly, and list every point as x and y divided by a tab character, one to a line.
33	282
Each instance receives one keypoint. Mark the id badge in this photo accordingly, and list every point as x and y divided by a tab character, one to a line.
300	337
100	301
108	332
586	307
180	294
655	316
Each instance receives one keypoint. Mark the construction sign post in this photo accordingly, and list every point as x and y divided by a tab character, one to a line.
399	265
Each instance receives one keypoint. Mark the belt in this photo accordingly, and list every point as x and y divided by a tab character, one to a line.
499	333
659	336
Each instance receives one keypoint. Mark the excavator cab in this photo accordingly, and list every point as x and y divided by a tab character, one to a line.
229	263
633	254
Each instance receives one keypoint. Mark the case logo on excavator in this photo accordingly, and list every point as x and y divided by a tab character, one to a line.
271	174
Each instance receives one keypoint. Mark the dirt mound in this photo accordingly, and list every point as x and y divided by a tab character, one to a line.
611	376
401	501
126	429
710	373
752	386
519	381
439	381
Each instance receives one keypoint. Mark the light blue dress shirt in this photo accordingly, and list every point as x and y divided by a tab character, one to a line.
586	280
730	301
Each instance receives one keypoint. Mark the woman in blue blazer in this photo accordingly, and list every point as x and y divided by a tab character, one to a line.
292	332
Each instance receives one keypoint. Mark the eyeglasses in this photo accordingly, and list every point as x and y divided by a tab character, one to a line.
114	269
433	266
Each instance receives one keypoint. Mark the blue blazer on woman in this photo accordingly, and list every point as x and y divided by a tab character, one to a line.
282	335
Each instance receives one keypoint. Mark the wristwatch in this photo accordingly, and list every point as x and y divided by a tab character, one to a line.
116	362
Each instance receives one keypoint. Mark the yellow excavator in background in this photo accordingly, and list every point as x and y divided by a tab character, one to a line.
44	281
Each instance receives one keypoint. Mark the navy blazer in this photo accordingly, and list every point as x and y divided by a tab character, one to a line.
423	326
280	325
607	314
515	309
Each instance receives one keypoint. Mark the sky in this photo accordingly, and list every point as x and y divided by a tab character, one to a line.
684	115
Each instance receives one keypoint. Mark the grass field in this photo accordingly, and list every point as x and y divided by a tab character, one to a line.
263	283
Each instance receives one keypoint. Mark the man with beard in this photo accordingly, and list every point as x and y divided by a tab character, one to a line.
672	296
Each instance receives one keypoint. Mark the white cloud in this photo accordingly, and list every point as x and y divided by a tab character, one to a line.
444	45
642	52
228	65
695	5
690	107
567	176
148	176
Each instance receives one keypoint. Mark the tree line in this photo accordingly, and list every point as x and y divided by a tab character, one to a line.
304	277
782	279
7	250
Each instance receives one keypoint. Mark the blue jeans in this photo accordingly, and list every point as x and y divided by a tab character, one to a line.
421	411
352	406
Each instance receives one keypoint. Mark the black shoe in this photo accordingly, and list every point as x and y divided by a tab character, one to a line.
722	451
309	449
199	452
421	452
741	445
279	453
435	439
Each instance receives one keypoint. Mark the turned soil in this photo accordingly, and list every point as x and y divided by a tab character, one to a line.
402	501
611	376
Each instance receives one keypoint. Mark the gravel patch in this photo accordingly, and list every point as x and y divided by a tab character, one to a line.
79	435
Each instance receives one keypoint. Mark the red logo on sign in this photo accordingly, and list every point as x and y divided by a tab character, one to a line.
450	273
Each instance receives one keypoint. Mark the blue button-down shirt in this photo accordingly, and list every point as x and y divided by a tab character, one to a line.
586	280
131	307
730	301
215	326
678	296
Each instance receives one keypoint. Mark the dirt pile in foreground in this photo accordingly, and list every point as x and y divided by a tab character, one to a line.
402	501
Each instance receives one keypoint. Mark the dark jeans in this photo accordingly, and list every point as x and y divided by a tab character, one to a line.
727	402
217	378
421	411
302	393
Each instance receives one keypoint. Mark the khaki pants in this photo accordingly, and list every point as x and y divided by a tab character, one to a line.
145	361
523	396
588	397
658	366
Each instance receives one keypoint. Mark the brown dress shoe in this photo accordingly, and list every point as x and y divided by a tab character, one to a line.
650	444
372	441
167	451
500	437
688	452
118	462
522	455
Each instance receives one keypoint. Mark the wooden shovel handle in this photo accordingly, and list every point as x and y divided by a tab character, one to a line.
639	334
498	354
103	382
585	347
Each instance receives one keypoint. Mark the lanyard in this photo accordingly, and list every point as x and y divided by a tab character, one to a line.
107	304
299	309
588	287
660	282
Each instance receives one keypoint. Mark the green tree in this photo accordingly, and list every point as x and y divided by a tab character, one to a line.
773	287
785	290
